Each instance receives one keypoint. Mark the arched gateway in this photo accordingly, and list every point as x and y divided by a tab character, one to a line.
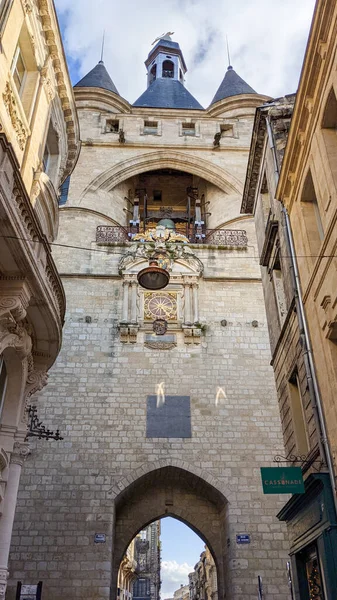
165	398
172	491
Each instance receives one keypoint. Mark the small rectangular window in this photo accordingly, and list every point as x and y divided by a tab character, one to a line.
188	128
18	70
150	127
227	130
112	126
157	196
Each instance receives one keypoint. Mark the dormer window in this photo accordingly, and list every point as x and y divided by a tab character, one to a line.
153	74
188	128
112	126
227	130
150	127
168	69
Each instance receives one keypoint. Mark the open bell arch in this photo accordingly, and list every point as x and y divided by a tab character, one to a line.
165	159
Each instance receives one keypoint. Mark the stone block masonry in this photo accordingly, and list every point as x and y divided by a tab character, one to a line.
97	395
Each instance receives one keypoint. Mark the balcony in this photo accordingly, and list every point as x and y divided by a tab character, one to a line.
235	238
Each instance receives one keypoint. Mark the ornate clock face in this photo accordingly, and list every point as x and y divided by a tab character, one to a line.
160	305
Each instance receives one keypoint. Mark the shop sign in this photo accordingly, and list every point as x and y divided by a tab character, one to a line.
282	480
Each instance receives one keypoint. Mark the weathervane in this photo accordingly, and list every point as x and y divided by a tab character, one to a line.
164	36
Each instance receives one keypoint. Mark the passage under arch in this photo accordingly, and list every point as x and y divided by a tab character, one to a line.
171	491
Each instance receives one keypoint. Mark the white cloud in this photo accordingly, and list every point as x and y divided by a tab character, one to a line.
173	575
267	40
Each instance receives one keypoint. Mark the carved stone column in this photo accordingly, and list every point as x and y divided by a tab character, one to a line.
125	313
18	456
195	302
134	286
187	294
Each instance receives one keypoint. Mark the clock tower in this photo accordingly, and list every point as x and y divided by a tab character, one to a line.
165	397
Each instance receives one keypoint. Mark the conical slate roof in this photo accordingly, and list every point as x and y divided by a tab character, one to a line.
98	77
167	93
232	85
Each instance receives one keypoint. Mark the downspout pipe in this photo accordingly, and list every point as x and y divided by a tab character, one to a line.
304	331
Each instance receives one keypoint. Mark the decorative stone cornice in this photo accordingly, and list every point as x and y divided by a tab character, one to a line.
22	213
12	109
37	379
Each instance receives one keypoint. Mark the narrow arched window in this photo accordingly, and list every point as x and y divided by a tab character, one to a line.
311	216
168	69
153	74
329	130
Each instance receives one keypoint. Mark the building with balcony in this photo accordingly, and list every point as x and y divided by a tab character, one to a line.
39	146
291	191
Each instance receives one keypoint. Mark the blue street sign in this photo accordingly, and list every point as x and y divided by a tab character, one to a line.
243	538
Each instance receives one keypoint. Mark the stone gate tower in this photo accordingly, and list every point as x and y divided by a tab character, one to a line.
165	398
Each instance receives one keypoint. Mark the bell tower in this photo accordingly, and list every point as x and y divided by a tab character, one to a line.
165	61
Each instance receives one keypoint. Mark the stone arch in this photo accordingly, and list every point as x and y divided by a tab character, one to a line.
166	159
163	489
134	475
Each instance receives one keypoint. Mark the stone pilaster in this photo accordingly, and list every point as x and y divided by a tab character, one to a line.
18	456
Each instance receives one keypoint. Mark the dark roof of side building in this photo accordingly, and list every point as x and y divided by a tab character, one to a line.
232	85
167	93
98	77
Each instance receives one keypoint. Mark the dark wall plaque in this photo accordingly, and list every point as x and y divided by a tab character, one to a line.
168	419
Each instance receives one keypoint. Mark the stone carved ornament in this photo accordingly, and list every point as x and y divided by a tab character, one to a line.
10	103
13	332
175	251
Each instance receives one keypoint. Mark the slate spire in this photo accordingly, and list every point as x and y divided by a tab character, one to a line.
232	85
98	77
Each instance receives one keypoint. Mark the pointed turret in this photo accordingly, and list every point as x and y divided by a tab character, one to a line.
165	78
232	85
98	77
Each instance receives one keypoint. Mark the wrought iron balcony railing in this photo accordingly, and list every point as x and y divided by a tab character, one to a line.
110	234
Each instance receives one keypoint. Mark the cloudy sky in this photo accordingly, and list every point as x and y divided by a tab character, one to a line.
181	549
267	40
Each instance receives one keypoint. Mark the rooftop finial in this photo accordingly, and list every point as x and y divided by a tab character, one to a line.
102	51
164	36
229	58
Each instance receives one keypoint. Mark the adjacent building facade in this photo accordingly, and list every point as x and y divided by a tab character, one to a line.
147	554
39	145
290	190
203	583
165	399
